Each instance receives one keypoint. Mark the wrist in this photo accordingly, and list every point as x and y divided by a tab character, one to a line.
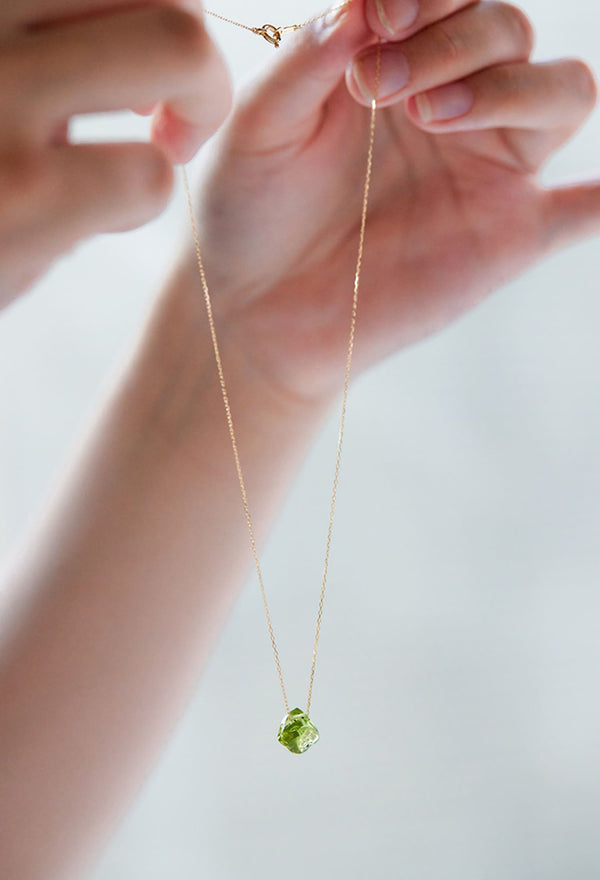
260	343
178	362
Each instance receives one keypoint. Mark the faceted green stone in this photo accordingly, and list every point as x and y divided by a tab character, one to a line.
297	732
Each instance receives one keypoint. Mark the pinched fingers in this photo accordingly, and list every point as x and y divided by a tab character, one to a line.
399	19
551	97
474	38
153	55
53	194
471	72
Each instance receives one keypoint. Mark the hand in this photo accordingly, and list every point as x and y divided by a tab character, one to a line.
63	57
455	209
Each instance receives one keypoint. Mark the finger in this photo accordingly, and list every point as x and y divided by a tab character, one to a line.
395	19
144	109
572	213
287	98
110	187
555	95
59	197
544	102
475	38
72	192
129	58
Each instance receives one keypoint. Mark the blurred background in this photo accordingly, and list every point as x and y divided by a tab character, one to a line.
457	686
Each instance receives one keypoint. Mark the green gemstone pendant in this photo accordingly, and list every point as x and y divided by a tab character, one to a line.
297	732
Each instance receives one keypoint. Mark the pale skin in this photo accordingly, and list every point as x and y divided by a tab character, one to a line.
61	57
116	598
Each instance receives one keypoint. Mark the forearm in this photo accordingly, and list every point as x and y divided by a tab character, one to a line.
124	589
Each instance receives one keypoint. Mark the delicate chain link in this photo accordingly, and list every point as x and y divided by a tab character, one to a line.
338	460
239	24
272	33
229	417
232	434
296	27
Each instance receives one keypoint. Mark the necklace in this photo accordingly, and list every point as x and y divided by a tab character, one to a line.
296	731
270	32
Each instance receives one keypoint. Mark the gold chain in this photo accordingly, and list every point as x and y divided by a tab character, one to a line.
338	460
272	33
232	434
229	417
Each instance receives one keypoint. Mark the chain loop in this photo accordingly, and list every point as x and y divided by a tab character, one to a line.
270	32
225	395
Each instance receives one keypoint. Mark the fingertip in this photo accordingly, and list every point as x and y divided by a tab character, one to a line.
182	125
391	19
356	87
144	110
110	187
573	212
171	134
153	188
441	108
417	109
179	138
586	79
381	72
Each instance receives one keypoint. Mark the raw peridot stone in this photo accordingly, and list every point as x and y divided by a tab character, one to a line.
297	732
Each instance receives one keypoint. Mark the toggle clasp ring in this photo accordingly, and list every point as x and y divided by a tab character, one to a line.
271	34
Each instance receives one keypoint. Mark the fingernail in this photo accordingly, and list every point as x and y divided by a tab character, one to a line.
447	102
396	15
394	74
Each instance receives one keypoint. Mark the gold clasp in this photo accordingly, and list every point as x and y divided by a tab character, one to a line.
271	34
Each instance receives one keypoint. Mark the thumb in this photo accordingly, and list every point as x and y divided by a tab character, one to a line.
286	99
574	213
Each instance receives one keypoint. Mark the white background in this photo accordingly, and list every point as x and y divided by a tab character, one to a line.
457	688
